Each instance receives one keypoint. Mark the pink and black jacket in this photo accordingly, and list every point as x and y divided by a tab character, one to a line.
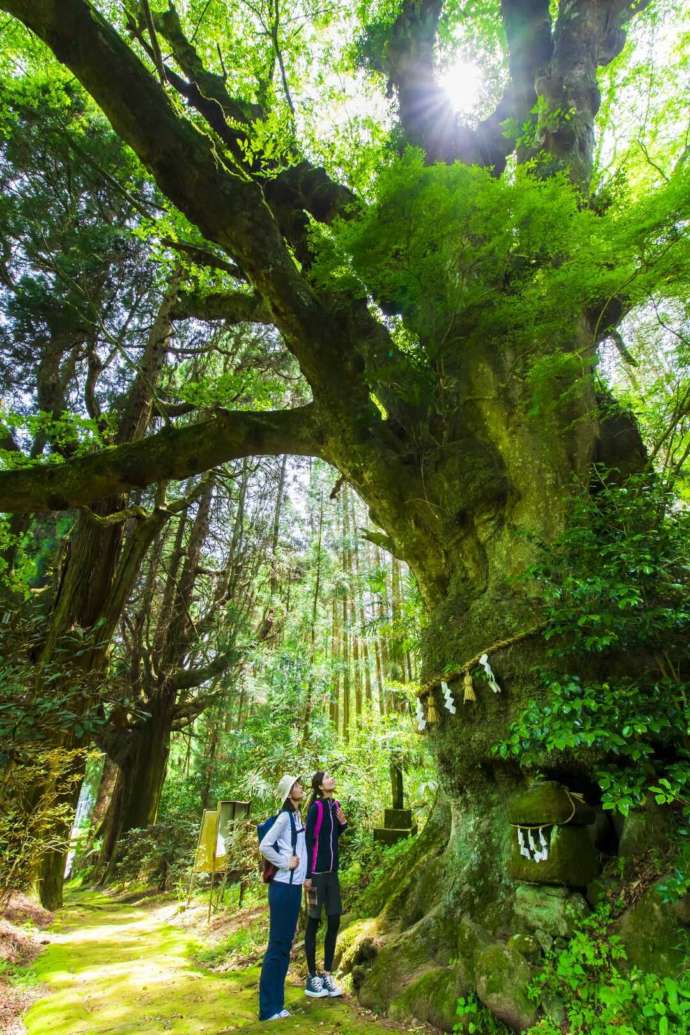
322	833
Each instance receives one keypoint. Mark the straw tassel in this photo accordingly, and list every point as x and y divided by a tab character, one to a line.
431	712
522	842
543	846
468	688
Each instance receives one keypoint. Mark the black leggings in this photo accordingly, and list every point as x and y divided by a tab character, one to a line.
329	942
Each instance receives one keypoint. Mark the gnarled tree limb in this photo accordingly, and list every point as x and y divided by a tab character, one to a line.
557	63
426	113
298	189
172	453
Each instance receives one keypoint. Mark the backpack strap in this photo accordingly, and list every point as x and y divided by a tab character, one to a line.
293	831
317	832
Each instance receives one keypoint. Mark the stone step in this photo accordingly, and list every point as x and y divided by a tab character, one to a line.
389	835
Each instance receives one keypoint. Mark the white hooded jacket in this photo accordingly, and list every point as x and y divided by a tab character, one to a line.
281	833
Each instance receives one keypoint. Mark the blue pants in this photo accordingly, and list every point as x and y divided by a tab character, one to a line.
284	902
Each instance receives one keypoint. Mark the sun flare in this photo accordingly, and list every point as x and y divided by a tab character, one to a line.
461	81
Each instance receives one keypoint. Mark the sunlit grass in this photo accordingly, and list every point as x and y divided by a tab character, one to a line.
123	970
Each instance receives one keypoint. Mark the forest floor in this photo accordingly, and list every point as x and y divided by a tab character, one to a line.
117	967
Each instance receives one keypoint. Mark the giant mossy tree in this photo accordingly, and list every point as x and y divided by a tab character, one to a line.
445	306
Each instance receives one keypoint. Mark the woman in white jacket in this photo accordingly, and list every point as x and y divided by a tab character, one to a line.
284	895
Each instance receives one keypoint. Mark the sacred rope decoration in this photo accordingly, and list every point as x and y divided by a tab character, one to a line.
534	839
426	713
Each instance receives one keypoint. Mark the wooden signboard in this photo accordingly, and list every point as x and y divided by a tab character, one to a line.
205	859
229	812
211	852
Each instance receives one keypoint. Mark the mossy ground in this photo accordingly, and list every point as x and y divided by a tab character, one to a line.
123	969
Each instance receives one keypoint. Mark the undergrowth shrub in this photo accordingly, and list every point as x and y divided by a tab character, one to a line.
475	1019
589	989
158	856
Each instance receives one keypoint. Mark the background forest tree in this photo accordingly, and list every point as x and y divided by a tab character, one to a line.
237	232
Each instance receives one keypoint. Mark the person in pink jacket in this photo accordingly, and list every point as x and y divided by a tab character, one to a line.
325	823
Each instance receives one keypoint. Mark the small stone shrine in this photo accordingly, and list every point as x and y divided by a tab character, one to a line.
397	822
551	843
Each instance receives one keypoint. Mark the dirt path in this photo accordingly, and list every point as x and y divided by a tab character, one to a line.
122	969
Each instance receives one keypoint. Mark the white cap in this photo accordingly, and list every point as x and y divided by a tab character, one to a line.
285	786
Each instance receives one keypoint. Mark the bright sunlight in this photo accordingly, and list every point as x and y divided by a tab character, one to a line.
461	81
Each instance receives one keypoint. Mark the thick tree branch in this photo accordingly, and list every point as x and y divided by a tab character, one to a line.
559	66
588	34
171	454
232	306
224	203
426	113
209	85
117	517
186	713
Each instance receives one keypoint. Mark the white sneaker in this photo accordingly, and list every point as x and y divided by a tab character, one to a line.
284	1013
315	987
275	1017
329	983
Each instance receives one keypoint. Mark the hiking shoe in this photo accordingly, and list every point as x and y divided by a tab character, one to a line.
329	983
315	987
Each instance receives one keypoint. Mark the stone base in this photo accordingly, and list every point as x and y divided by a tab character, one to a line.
389	835
554	911
398	819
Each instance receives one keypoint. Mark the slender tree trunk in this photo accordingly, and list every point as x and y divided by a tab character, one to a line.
210	760
309	704
352	625
360	608
106	788
275	533
374	559
335	665
379	676
345	627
